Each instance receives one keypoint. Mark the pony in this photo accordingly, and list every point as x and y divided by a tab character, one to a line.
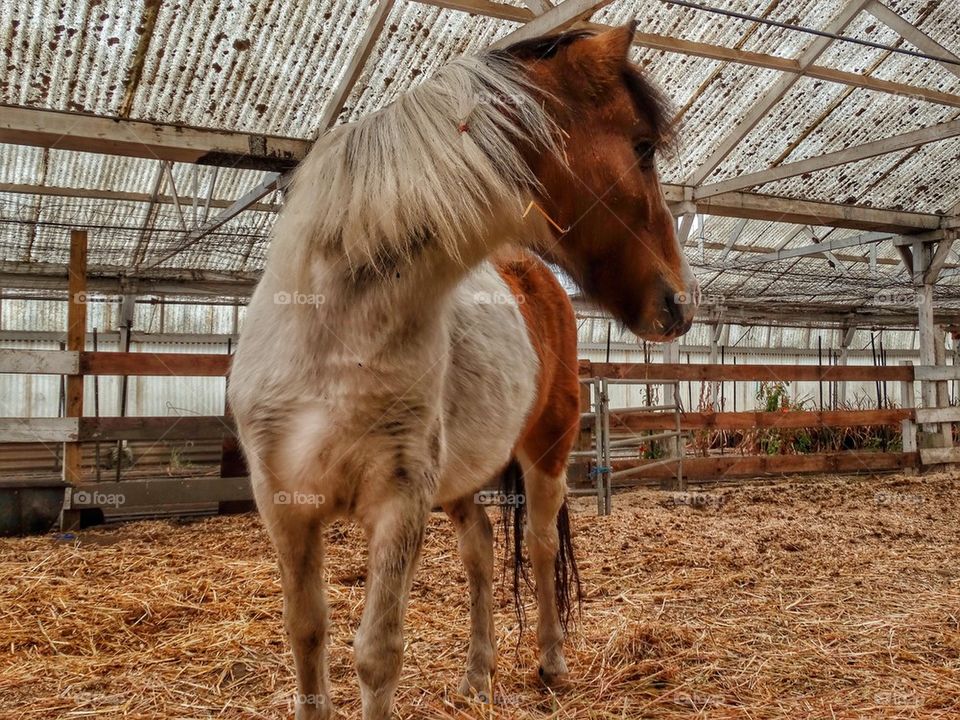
407	345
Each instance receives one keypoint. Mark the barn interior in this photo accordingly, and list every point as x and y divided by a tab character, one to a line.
145	152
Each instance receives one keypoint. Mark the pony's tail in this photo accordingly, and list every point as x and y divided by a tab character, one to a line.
512	518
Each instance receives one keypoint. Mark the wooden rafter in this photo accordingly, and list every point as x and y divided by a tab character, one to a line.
774	94
935	133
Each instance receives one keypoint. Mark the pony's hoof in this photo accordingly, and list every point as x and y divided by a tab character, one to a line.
555	680
474	691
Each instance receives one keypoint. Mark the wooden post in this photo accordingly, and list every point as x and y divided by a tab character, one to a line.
76	337
846	339
908	429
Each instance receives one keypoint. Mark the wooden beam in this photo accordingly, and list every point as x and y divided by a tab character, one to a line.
122	195
731	466
134	138
935	133
154	364
359	60
769	373
76	337
715	52
556	19
817	248
932	273
39	430
801	212
644	422
774	94
188	427
159	493
273	181
913	35
42	362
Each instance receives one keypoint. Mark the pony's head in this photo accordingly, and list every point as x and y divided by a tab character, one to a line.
614	234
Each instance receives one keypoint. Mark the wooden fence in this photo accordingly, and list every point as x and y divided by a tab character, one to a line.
927	432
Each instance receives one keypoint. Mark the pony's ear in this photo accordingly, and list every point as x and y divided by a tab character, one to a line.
604	53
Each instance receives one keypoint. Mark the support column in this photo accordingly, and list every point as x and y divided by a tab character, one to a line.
715	335
931	435
846	339
76	339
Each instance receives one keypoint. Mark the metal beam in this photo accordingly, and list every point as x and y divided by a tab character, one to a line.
370	36
714	52
772	207
775	93
555	19
135	138
817	248
272	182
123	195
912	34
939	258
331	113
932	134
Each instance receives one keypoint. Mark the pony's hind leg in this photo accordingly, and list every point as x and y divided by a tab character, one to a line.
296	532
545	496
395	526
475	539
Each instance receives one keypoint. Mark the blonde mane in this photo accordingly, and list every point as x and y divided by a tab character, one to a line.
436	162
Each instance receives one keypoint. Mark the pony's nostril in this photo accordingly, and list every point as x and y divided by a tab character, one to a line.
674	304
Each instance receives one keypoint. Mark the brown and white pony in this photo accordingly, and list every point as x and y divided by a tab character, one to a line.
406	343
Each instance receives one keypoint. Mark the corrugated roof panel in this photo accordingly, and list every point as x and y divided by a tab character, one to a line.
68	54
841	184
417	41
256	67
717	111
927	179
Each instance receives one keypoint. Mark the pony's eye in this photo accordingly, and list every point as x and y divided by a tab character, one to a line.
645	151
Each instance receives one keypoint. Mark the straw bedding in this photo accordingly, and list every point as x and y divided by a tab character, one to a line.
831	598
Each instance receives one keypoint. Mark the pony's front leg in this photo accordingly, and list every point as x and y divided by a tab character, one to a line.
545	494
395	524
296	532
475	536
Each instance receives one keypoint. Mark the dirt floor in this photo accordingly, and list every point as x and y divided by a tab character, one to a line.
825	598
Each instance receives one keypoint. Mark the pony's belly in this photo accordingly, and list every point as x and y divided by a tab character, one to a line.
490	384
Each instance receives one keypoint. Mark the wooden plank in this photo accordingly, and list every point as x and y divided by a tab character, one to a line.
41	362
938	415
554	20
939	456
160	492
155	364
76	337
188	427
700	468
915	138
935	372
39	430
717	52
638	422
156	141
769	373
